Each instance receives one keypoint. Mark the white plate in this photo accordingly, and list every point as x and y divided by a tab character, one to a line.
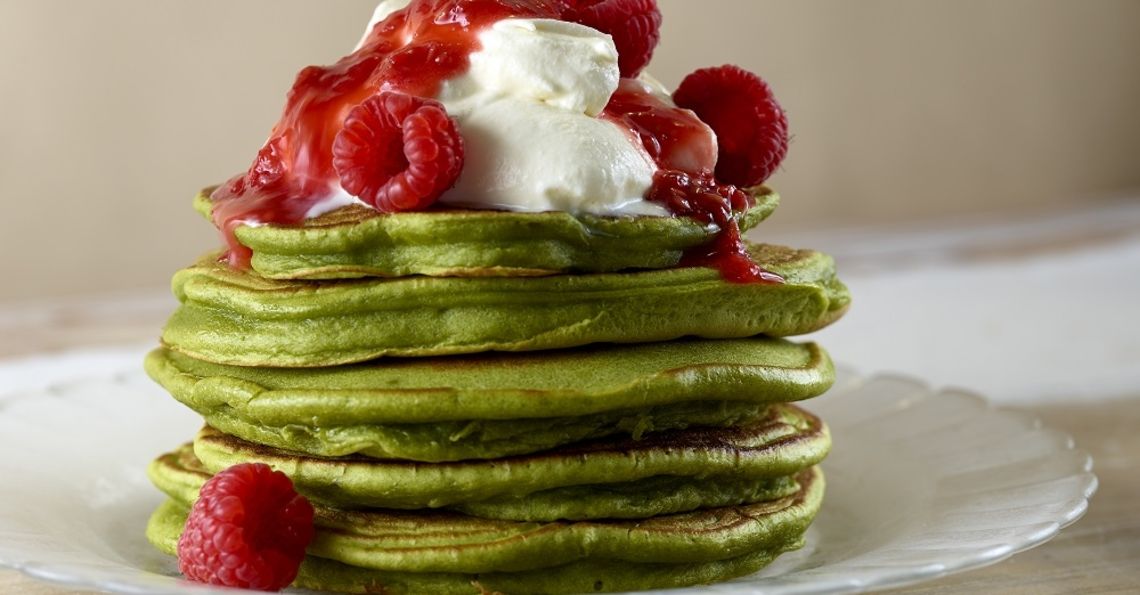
920	484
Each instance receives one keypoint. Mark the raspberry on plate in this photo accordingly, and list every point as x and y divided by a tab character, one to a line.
249	528
398	152
751	127
635	26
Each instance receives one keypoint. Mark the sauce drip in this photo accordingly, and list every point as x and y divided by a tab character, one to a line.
412	51
685	154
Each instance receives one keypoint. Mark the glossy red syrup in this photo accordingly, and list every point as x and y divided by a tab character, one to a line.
412	51
675	138
683	149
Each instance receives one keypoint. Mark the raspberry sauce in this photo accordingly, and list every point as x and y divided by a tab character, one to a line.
412	51
685	152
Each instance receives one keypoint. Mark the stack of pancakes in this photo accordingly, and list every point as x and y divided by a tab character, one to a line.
489	401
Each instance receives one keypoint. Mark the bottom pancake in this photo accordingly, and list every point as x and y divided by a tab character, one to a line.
597	576
443	552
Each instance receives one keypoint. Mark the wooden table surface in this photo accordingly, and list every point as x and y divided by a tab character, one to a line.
1098	554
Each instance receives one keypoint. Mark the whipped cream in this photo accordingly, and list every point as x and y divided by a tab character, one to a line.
383	10
564	65
526	156
527	109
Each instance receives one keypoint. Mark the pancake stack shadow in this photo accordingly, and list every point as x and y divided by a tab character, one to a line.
500	402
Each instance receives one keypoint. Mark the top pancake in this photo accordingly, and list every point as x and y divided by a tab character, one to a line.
355	241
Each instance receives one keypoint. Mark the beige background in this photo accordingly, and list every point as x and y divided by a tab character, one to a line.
113	113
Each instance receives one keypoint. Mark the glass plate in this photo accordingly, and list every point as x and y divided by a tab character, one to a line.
921	484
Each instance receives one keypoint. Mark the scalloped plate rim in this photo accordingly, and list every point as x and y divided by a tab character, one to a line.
64	574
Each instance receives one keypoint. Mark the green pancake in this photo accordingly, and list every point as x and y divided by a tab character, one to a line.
437	551
495	405
240	318
356	241
660	495
502	386
180	475
465	440
322	574
590	576
786	441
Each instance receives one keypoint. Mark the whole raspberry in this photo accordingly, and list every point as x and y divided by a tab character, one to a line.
635	26
249	528
751	128
398	152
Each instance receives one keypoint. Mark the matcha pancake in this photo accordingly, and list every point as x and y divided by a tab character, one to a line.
180	475
589	575
356	241
494	405
440	542
479	439
240	318
784	442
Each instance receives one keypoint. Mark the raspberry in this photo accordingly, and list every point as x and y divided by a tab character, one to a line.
247	529
635	26
398	152
751	128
